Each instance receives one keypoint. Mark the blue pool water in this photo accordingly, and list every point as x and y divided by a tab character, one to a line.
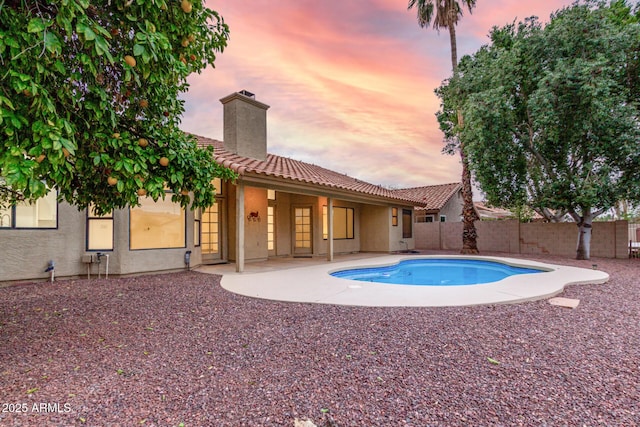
436	272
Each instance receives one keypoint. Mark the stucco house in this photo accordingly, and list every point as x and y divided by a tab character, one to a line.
277	207
441	203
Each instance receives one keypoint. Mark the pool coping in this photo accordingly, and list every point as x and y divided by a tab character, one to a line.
314	284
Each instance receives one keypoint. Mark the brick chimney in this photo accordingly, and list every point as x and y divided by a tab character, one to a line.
245	125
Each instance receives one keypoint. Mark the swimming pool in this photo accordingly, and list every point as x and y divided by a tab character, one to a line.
310	281
436	272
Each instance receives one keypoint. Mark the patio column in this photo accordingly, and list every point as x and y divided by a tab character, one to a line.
239	226
330	229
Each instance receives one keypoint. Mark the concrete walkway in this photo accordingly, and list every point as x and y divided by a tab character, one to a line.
309	280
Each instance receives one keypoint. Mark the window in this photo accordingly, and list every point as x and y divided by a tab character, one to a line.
208	223
271	228
394	217
99	231
422	217
197	221
443	218
6	217
157	225
217	183
42	213
271	220
303	230
211	229
343	226
406	224
325	223
343	223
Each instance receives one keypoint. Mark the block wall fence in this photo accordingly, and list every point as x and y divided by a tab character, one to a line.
608	240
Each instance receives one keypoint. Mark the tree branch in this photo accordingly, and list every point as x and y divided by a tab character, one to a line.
541	160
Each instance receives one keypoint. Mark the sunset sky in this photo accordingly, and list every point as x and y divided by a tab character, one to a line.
350	83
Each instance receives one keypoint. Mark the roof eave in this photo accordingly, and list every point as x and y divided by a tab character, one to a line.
311	188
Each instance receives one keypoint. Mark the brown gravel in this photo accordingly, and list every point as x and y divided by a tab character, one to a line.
177	349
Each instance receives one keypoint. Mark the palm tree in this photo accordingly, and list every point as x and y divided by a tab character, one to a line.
446	14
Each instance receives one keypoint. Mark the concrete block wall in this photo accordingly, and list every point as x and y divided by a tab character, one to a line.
498	239
427	235
450	235
609	239
603	239
547	238
622	239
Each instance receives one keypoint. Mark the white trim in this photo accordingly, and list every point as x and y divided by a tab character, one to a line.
240	227
330	229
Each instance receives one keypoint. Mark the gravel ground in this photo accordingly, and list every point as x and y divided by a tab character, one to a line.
177	349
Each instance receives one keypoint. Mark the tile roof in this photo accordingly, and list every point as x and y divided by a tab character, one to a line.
433	197
486	211
492	212
297	171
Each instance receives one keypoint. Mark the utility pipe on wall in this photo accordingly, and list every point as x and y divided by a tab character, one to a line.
99	255
51	269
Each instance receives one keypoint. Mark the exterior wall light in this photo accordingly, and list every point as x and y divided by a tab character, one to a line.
253	216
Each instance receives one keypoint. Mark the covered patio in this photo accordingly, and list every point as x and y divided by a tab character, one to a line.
280	207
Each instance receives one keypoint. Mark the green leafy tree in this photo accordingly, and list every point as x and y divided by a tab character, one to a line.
552	114
446	14
89	100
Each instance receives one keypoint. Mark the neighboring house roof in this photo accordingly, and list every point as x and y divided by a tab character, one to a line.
488	212
296	171
433	197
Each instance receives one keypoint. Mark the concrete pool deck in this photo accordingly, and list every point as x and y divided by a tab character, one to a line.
296	280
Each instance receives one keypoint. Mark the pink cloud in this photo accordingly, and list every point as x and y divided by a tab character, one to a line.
350	85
